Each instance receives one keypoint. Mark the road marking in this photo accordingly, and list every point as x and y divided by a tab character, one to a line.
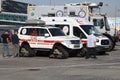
64	66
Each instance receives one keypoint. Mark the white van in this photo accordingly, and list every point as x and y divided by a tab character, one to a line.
74	26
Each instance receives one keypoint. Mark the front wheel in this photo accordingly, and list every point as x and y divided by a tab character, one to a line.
26	51
59	52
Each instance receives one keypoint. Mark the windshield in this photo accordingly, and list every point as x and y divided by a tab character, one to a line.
89	28
56	32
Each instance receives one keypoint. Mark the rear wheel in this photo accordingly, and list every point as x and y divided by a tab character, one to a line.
59	52
102	53
82	52
26	51
112	41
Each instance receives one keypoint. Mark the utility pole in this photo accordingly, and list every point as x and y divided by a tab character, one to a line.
115	20
0	5
50	2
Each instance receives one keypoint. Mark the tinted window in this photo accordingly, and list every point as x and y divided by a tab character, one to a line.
89	28
56	32
33	31
98	22
41	32
65	28
29	31
77	32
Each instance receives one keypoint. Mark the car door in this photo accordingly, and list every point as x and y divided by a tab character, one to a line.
42	40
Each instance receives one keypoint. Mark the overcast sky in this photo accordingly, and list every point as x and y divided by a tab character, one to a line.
110	6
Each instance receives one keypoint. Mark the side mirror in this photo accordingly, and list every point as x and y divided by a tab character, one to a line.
46	35
101	23
95	22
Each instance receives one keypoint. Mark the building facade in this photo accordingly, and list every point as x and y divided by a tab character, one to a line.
12	12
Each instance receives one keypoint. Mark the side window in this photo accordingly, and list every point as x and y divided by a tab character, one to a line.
72	13
98	22
77	32
51	14
33	31
65	28
29	31
41	32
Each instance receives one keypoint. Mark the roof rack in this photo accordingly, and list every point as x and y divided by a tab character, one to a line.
35	22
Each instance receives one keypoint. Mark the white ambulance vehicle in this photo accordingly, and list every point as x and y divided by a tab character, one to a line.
47	38
74	26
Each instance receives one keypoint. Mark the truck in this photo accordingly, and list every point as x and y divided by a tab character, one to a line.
102	24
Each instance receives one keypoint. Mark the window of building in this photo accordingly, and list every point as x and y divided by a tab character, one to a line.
14	6
1	16
13	17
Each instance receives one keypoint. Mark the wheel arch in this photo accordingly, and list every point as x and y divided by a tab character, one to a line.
59	44
25	43
62	49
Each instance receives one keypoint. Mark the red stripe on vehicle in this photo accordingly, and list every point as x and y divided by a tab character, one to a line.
84	41
52	41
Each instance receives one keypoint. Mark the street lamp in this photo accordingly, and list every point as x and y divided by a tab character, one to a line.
0	4
119	16
115	20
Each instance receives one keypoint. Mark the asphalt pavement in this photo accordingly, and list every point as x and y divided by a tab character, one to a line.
106	67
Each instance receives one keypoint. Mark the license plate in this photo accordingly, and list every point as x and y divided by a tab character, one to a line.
76	46
106	46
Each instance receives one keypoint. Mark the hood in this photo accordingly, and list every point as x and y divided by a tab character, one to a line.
101	37
64	38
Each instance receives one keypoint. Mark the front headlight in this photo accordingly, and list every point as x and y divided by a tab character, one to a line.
97	40
67	41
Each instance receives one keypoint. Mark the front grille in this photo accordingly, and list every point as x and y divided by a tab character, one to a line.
75	41
105	42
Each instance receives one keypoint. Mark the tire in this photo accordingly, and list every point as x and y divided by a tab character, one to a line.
83	52
112	42
26	51
102	53
59	52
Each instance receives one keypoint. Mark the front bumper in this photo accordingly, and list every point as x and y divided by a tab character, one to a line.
75	46
102	48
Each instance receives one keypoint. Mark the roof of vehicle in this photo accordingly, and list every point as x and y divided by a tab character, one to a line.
66	19
38	27
35	22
